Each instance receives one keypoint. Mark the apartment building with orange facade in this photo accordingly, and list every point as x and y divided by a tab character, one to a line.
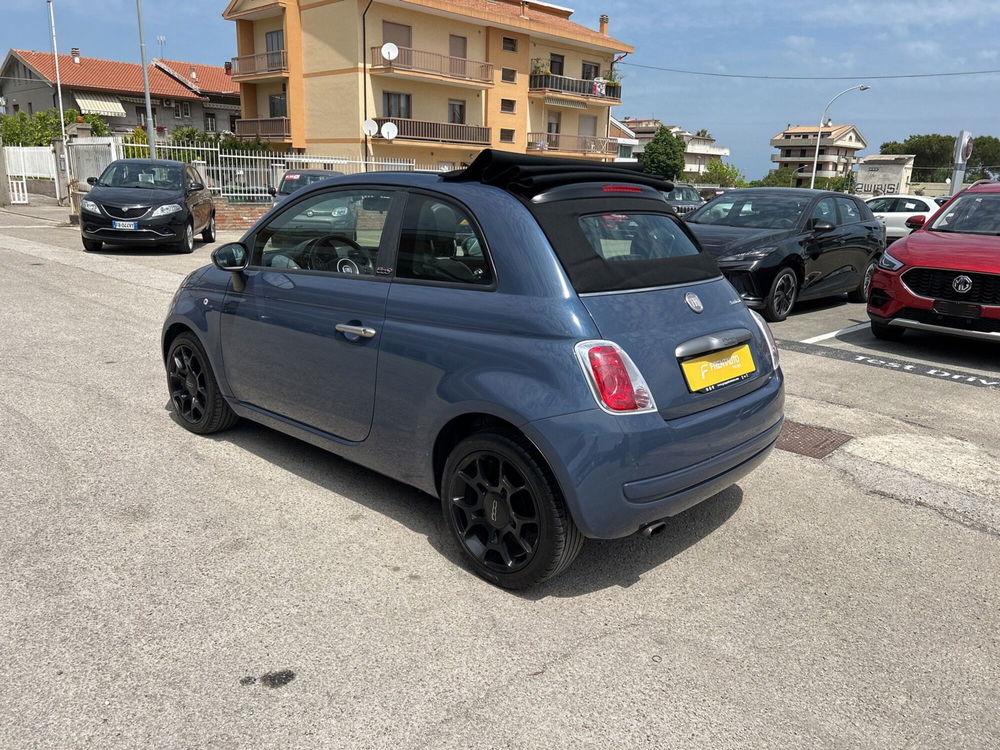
461	75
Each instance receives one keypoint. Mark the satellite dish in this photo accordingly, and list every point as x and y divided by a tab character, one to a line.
370	128
389	130
389	51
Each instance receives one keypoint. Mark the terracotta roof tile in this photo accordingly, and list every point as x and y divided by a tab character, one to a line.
209	79
95	74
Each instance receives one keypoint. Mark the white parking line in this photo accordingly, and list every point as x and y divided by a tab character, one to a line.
833	334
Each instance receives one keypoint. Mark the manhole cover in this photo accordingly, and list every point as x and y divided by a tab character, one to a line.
810	440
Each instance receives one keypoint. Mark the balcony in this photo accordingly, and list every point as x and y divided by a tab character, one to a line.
811	153
275	63
279	128
592	89
811	142
422	61
576	144
439	132
702	149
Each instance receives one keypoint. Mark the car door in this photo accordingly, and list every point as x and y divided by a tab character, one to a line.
822	249
905	208
858	244
198	203
302	339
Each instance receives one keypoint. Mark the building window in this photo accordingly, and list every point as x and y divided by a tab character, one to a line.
506	135
274	41
396	105
31	108
210	122
456	111
186	109
232	123
399	34
509	44
177	111
590	71
16	108
508	75
277	106
140	116
624	151
508	105
556	64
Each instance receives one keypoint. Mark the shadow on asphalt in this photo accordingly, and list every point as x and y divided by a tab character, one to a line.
947	351
601	564
823	303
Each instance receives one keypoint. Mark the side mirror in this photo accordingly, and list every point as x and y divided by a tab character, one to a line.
91	180
822	226
232	256
195	186
915	222
272	191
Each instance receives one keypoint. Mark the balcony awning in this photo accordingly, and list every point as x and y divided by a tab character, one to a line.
105	105
552	101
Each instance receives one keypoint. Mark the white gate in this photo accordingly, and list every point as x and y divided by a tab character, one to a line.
17	178
89	157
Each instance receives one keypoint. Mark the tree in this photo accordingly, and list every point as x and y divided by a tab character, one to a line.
724	175
783	177
703	133
664	155
932	155
985	160
41	128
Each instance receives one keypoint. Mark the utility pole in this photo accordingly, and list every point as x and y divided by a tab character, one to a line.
63	163
150	125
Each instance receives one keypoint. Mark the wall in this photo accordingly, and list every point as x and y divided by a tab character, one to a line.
429	101
229	216
429	33
574	57
518	91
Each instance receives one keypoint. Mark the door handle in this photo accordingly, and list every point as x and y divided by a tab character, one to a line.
363	331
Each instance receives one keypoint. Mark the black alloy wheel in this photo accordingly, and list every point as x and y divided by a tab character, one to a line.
861	293
208	233
506	512
194	391
186	245
781	298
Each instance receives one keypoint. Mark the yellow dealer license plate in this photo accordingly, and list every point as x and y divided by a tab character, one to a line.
710	371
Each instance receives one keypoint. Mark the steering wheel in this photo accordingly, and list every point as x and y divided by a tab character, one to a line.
357	259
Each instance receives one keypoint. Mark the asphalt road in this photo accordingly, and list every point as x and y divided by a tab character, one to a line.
159	589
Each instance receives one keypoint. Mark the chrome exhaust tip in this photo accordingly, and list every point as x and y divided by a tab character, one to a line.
653	529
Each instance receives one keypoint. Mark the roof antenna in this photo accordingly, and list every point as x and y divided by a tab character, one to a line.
162	42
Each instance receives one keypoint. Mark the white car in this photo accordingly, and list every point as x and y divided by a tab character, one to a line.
894	210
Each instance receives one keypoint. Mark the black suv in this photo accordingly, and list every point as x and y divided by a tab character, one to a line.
683	198
147	202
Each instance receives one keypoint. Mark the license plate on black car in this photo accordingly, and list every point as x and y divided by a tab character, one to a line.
125	224
957	309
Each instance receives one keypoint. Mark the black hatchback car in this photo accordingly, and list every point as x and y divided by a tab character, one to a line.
781	245
150	202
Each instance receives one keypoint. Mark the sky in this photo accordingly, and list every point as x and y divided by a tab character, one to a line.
853	38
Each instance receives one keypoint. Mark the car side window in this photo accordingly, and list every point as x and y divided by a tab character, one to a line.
333	232
849	213
882	205
825	210
912	205
439	242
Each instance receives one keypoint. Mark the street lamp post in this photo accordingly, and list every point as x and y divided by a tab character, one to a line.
62	117
822	119
796	171
150	125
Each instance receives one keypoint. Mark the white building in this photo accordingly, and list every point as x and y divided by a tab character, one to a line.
699	150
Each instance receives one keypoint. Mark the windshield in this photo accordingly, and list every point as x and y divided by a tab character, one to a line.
140	174
293	181
972	213
680	193
758	210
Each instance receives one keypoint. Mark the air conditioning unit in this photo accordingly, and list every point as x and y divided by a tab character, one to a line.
168	102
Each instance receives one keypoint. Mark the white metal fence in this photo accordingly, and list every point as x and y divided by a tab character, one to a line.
34	162
237	175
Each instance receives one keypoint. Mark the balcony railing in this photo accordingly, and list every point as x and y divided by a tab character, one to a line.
577	144
266	127
442	132
577	86
265	62
422	61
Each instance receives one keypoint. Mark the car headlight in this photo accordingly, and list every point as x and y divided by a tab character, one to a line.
90	206
166	210
755	254
765	329
888	262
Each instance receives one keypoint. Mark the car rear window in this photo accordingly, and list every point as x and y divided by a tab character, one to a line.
610	245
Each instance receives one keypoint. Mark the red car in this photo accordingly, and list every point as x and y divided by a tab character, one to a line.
945	276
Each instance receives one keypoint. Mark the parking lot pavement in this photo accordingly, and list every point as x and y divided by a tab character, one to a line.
163	589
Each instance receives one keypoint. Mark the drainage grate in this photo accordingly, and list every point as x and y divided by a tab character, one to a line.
809	440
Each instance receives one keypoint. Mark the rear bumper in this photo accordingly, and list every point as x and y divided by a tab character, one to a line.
621	473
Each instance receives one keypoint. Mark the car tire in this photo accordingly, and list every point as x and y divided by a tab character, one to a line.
194	392
782	295
506	512
92	246
887	333
186	245
208	233
861	293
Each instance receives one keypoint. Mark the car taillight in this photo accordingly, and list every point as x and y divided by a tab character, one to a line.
772	346
616	382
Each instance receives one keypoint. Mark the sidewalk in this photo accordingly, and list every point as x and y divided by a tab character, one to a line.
43	208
